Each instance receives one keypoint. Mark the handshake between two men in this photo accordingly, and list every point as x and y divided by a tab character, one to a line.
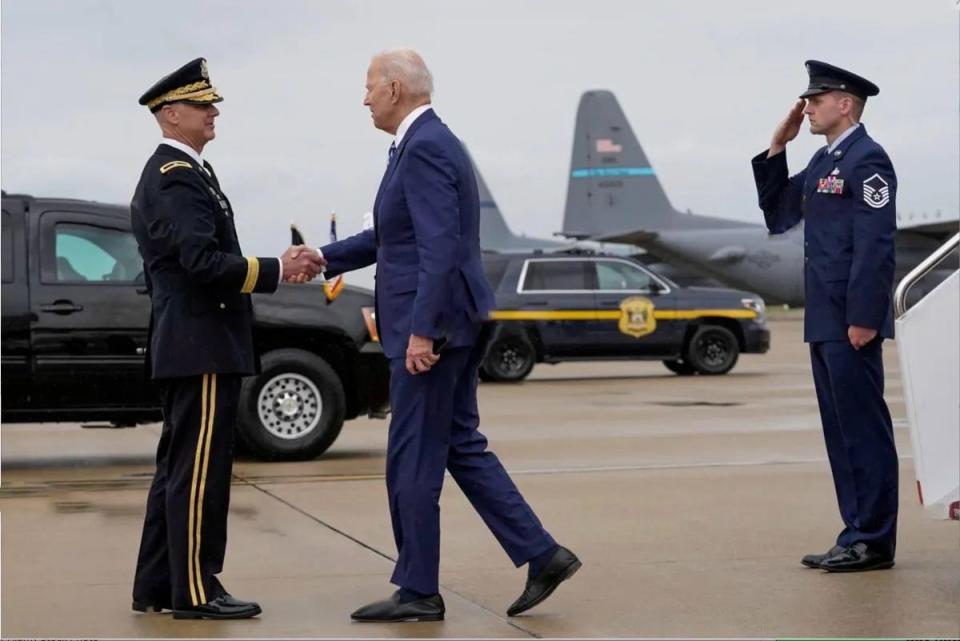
300	264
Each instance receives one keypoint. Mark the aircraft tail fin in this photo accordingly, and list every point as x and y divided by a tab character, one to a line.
495	234
612	186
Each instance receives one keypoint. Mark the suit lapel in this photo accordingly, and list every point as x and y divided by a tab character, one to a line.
215	182
426	116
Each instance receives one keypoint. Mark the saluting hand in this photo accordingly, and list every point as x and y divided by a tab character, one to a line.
788	128
420	356
860	336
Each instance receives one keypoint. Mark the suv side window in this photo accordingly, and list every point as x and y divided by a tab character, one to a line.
86	253
557	275
7	248
614	275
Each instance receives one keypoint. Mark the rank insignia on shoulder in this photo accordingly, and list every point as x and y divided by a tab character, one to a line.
173	164
876	191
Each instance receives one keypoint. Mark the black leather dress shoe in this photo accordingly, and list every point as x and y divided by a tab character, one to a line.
561	567
143	605
430	608
814	560
223	607
859	557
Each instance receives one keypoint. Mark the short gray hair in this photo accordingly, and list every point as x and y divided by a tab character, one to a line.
408	67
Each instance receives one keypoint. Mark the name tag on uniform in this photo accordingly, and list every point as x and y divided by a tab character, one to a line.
830	185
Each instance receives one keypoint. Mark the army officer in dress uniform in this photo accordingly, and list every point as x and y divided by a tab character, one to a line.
846	197
200	345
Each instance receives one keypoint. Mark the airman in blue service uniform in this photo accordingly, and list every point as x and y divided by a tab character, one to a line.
846	198
200	345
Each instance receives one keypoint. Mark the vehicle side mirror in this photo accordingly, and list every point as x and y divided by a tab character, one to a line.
655	287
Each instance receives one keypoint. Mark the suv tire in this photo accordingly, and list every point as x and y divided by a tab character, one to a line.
680	367
293	410
509	358
712	350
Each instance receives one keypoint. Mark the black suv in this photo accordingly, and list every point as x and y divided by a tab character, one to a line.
580	304
75	316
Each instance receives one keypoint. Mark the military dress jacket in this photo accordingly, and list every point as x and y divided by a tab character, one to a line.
847	200
198	280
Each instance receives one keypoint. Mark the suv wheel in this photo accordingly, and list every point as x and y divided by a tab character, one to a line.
293	410
509	358
712	350
680	366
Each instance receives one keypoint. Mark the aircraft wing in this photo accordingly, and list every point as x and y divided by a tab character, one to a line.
637	237
939	230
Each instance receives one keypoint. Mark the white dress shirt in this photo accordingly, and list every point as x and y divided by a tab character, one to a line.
406	122
187	149
842	137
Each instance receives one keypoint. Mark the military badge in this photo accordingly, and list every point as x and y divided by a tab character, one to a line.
636	318
830	185
204	71
876	191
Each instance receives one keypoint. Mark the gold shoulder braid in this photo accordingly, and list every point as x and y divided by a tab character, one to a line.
173	164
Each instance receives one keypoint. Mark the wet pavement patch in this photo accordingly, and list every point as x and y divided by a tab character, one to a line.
694	403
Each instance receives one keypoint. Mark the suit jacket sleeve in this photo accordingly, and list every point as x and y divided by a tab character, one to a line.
431	190
354	252
869	289
183	223
780	195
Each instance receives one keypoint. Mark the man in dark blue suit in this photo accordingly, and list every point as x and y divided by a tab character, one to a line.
431	299
846	196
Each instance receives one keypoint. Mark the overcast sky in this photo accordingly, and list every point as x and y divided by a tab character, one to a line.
703	84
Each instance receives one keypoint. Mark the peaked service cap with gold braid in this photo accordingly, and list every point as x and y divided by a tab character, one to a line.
190	83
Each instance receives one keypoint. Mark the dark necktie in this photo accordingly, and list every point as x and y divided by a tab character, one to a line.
392	152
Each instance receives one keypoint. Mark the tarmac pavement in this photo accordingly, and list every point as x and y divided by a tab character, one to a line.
690	501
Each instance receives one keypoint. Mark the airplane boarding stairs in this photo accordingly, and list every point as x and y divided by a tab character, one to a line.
928	342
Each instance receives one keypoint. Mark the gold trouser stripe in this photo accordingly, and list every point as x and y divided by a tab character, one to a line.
253	273
607	314
192	578
203	481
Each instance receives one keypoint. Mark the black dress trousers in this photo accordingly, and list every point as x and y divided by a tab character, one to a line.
185	529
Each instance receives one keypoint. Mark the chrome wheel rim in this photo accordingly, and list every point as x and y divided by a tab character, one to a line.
290	406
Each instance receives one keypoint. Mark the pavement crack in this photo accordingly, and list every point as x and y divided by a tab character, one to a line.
381	553
317	519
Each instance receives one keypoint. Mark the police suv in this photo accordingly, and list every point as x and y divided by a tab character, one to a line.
75	320
579	304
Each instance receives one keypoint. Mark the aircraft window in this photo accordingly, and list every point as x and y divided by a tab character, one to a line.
554	275
7	249
615	275
96	254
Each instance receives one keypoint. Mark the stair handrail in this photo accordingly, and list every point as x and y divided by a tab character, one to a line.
927	265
